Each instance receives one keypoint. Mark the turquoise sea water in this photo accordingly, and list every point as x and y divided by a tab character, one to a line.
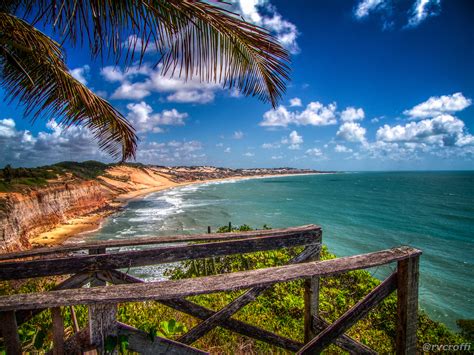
359	213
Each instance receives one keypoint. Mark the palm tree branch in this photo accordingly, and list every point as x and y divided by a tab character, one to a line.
33	72
192	38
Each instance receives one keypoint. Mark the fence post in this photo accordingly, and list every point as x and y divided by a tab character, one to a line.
407	305
58	331
9	329
102	317
311	301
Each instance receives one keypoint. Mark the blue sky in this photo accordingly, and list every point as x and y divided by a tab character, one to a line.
375	85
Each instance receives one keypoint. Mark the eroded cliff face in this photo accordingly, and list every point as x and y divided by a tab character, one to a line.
25	215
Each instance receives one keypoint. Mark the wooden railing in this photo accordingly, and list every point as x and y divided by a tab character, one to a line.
99	268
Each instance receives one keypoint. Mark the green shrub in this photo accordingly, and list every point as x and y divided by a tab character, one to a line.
279	309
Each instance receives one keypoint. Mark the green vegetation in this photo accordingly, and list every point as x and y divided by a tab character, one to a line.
280	309
17	179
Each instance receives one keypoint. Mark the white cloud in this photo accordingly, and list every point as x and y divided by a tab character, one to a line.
263	13
314	152
22	148
192	96
271	145
279	117
293	140
80	73
423	9
219	145
439	105
238	135
315	114
444	130
342	149
295	102
144	120
172	152
115	74
178	89
352	114
248	154
276	157
7	128
227	150
366	6
352	132
135	43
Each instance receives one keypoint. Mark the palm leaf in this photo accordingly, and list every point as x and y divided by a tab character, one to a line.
192	38
33	71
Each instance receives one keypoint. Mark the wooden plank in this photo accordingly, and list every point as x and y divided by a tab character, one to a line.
102	324
140	342
184	238
348	319
127	259
75	281
163	290
210	323
102	317
344	342
234	325
311	302
203	313
407	306
58	331
9	329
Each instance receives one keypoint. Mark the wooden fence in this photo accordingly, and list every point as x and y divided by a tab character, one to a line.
109	286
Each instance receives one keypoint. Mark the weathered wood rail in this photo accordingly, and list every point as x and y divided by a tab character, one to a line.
109	287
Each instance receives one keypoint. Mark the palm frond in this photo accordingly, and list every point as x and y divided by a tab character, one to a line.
192	38
33	71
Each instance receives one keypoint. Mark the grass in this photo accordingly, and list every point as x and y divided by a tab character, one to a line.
279	309
20	179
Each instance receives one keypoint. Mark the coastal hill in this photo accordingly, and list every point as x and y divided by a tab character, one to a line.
46	205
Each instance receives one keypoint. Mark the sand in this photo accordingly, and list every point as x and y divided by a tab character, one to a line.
140	184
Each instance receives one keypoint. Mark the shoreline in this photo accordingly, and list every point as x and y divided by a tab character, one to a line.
91	222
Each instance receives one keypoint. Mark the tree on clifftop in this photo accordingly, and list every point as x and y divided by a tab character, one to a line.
192	38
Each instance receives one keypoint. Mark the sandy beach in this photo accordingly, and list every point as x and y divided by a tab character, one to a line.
91	222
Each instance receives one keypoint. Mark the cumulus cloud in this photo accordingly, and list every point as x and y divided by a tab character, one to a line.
420	11
439	105
21	147
314	152
81	73
293	140
365	7
238	135
271	145
444	130
227	150
153	80
295	102
342	149
276	157
248	154
263	13
172	153
423	9
352	114
144	120
7	128
352	132
315	114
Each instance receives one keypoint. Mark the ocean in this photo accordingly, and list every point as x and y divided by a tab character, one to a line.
359	213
